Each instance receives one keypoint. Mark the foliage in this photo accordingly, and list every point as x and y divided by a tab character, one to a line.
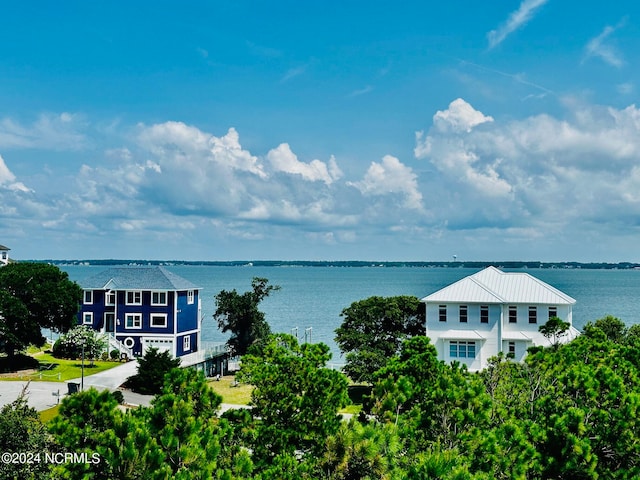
35	296
613	328
373	330
554	329
296	397
239	314
89	422
70	344
152	367
22	431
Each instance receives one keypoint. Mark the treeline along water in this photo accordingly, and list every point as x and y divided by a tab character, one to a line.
313	297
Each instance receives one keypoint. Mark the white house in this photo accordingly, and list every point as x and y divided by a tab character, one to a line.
4	255
493	311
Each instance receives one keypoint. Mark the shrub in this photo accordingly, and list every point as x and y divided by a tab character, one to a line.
104	356
152	368
115	354
117	394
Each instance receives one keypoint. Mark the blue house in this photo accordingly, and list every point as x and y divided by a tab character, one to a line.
142	307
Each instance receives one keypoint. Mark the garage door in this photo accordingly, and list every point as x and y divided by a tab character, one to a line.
161	344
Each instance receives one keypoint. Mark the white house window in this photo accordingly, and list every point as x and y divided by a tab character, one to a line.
186	343
484	314
512	350
462	349
158	298
553	312
87	318
463	314
88	297
190	297
442	312
158	320
110	298
513	314
133	320
4	255
533	315
134	298
129	342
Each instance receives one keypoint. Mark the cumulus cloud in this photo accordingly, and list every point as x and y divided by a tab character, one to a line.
8	179
391	177
538	170
284	160
516	20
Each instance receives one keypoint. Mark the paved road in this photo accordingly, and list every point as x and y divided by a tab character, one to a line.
43	395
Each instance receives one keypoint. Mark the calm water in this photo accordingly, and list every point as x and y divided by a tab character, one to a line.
313	297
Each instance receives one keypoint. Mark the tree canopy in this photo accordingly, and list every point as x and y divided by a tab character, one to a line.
373	330
35	296
240	315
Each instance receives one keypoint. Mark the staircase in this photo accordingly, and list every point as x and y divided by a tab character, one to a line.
115	344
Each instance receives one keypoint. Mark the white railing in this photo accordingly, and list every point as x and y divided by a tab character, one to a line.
115	344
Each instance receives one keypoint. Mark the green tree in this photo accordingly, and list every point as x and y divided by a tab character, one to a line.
373	331
554	329
21	431
613	328
239	314
35	296
152	368
71	343
296	398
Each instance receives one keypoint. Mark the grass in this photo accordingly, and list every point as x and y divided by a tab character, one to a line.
239	394
54	369
47	415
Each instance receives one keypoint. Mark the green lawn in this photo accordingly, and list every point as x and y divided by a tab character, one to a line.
236	395
53	369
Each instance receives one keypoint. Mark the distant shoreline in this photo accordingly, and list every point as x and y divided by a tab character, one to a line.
351	263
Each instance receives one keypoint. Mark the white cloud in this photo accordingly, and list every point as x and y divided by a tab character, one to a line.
8	179
57	132
284	160
600	46
538	171
459	117
391	177
516	20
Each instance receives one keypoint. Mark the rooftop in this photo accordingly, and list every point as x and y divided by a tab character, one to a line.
495	286
137	278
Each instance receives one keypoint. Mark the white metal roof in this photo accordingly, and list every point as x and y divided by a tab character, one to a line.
495	286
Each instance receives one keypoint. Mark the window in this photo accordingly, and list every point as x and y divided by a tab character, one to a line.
484	314
158	320
110	298
87	318
158	298
513	314
553	312
462	349
442	311
512	350
186	343
463	314
190	297
134	298
4	255
88	297
533	315
133	320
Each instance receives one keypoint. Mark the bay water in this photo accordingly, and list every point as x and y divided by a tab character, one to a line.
311	298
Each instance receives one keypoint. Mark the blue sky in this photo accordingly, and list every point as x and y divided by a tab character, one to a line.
320	130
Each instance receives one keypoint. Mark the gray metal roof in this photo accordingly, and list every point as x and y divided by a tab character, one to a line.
2	247
137	278
495	286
